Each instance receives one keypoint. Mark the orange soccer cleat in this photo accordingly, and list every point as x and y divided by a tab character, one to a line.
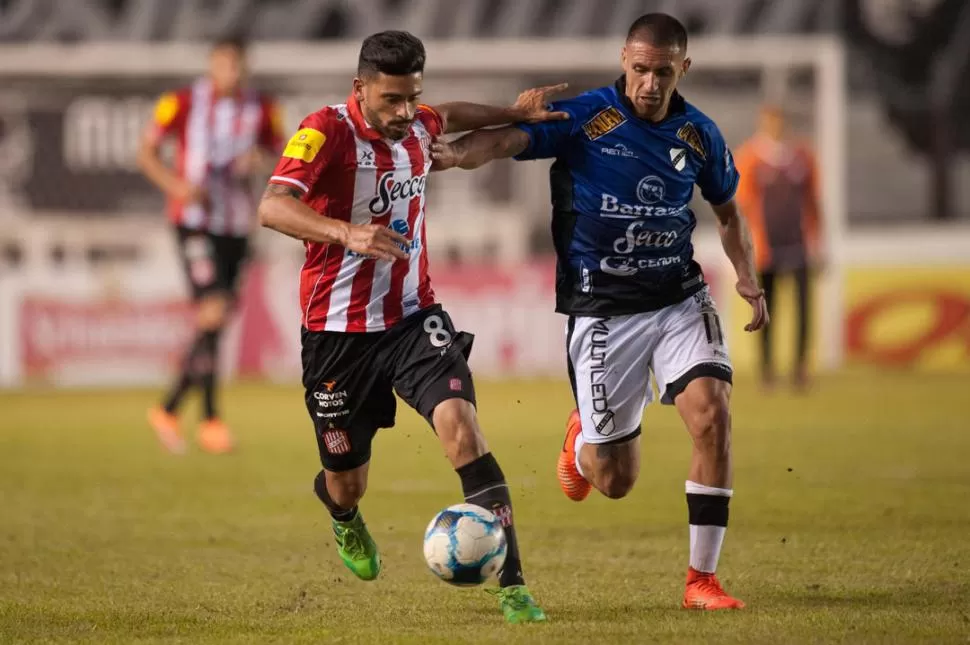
166	427
214	437
573	484
705	592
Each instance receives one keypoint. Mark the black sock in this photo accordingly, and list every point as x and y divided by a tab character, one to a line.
484	485
337	513
187	377
207	360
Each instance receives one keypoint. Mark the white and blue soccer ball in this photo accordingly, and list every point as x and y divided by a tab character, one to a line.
465	545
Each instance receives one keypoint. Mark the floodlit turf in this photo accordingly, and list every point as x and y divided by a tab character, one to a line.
849	524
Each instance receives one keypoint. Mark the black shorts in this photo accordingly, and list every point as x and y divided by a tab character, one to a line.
350	380
213	263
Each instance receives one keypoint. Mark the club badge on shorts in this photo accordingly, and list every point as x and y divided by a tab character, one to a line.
336	441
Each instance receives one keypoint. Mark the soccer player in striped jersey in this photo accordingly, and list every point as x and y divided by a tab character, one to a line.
222	132
351	185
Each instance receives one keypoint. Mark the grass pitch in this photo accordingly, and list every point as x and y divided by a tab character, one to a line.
849	524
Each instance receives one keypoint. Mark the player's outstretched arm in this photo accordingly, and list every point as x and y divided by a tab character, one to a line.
478	148
282	210
736	240
532	106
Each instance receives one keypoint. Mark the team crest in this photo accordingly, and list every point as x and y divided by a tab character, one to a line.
603	123
604	422
678	157
336	441
688	134
504	513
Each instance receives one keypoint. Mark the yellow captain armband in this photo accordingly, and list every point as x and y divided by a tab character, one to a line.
305	145
166	109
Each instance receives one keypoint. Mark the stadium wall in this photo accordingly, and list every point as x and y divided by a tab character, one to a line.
906	305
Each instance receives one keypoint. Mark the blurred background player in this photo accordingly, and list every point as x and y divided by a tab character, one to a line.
778	194
626	164
351	185
225	134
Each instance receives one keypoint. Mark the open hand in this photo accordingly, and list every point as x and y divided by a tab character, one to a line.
532	106
376	241
443	156
755	296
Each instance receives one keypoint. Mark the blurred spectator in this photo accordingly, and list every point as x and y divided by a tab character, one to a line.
778	194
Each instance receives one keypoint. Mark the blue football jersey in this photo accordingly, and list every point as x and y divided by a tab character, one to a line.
621	188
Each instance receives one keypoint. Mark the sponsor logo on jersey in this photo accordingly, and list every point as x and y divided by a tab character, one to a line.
651	189
610	206
619	150
603	123
678	157
398	226
626	265
638	238
305	145
688	134
390	190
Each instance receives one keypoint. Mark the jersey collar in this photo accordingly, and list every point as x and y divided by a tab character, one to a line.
364	130
677	103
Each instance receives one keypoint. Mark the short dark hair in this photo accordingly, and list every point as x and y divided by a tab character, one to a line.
235	42
659	29
395	53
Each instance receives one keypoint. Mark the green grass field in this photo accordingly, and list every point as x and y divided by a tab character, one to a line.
850	524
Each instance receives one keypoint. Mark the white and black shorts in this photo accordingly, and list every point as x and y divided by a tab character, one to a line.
611	360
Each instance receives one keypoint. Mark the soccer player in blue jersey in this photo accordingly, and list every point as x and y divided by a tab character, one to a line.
626	164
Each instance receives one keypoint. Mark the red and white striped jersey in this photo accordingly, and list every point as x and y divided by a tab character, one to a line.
348	171
210	133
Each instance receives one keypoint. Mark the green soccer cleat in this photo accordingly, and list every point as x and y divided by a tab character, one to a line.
357	548
518	605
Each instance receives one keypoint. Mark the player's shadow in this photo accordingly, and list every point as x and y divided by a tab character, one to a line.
915	596
584	611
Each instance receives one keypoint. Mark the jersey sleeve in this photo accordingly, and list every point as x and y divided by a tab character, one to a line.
546	139
718	178
306	154
431	120
169	115
271	129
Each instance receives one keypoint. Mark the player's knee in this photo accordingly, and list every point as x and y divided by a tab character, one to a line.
457	427
711	424
213	311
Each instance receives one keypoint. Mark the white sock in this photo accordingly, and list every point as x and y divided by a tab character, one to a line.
705	547
578	446
706	539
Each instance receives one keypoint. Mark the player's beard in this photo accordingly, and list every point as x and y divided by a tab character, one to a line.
397	129
390	130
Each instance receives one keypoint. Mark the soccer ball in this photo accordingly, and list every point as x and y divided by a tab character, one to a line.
464	545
